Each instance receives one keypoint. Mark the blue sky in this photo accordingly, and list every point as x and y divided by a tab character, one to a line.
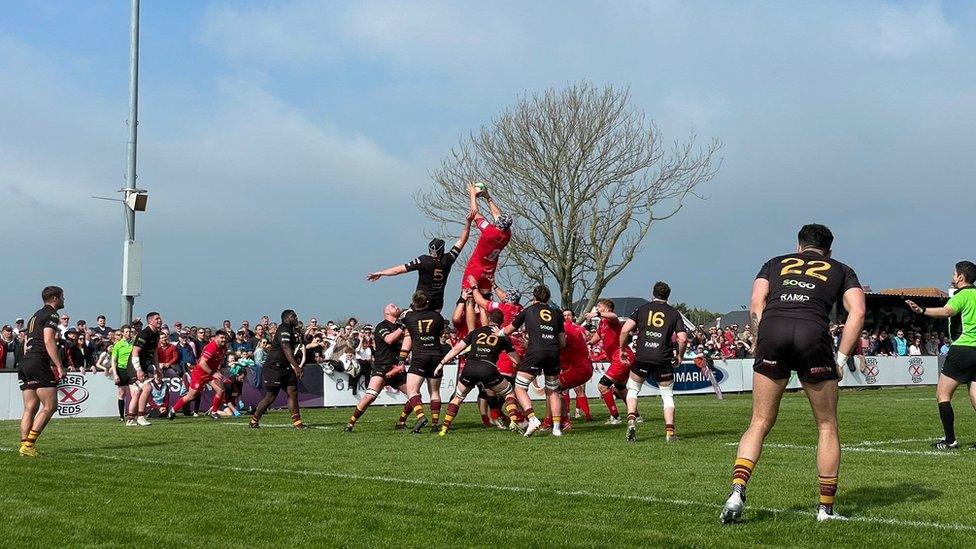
282	141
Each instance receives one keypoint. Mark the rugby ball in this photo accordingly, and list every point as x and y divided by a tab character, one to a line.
481	187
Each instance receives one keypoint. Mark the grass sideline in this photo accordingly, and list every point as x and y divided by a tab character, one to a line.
203	483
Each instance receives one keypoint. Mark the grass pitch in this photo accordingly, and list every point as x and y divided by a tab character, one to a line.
204	483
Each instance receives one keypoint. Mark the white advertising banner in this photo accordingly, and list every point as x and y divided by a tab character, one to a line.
94	395
79	395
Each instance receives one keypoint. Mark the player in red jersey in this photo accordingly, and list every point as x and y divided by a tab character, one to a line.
206	372
493	239
575	367
608	336
582	404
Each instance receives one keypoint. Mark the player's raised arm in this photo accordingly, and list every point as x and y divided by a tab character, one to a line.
496	212
466	232
931	312
392	271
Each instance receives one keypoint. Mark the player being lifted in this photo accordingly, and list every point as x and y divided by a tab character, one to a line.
544	331
607	335
432	269
386	368
792	297
480	271
40	370
660	326
423	342
485	348
282	370
206	372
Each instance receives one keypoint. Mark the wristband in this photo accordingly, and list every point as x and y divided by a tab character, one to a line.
135	362
403	355
924	309
841	359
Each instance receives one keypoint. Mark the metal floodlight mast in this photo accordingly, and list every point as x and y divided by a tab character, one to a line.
131	250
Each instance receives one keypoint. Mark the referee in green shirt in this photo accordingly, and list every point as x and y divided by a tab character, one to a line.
960	362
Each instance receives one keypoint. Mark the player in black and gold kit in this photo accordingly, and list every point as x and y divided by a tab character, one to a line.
423	342
282	370
386	369
40	370
143	361
546	335
485	346
792	298
432	269
661	341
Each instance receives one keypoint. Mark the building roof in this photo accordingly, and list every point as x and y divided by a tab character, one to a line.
914	292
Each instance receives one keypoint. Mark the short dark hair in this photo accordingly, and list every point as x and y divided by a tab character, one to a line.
541	293
608	303
286	313
419	300
124	327
151	315
221	333
50	292
968	270
661	290
496	317
100	317
815	235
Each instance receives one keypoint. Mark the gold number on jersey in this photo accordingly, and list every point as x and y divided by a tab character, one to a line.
438	275
487	339
655	319
423	326
792	266
545	314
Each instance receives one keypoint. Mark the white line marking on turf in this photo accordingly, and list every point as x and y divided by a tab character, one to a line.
891	451
887	442
525	489
275	426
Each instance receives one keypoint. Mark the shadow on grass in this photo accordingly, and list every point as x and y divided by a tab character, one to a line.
861	500
872	497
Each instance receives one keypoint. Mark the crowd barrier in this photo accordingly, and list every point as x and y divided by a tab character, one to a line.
94	395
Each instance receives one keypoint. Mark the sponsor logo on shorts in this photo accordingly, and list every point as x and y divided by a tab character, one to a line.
871	370
916	369
72	394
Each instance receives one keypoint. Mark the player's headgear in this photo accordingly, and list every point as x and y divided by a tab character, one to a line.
504	222
513	295
436	247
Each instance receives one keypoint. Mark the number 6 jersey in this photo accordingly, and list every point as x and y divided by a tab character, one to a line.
805	286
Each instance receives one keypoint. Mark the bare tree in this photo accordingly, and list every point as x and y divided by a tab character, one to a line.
584	174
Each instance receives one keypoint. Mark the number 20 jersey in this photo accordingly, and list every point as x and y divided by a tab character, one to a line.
805	286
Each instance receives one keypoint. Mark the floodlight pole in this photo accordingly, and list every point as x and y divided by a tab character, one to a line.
128	301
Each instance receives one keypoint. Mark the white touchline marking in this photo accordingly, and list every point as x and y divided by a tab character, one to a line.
892	451
524	489
886	442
